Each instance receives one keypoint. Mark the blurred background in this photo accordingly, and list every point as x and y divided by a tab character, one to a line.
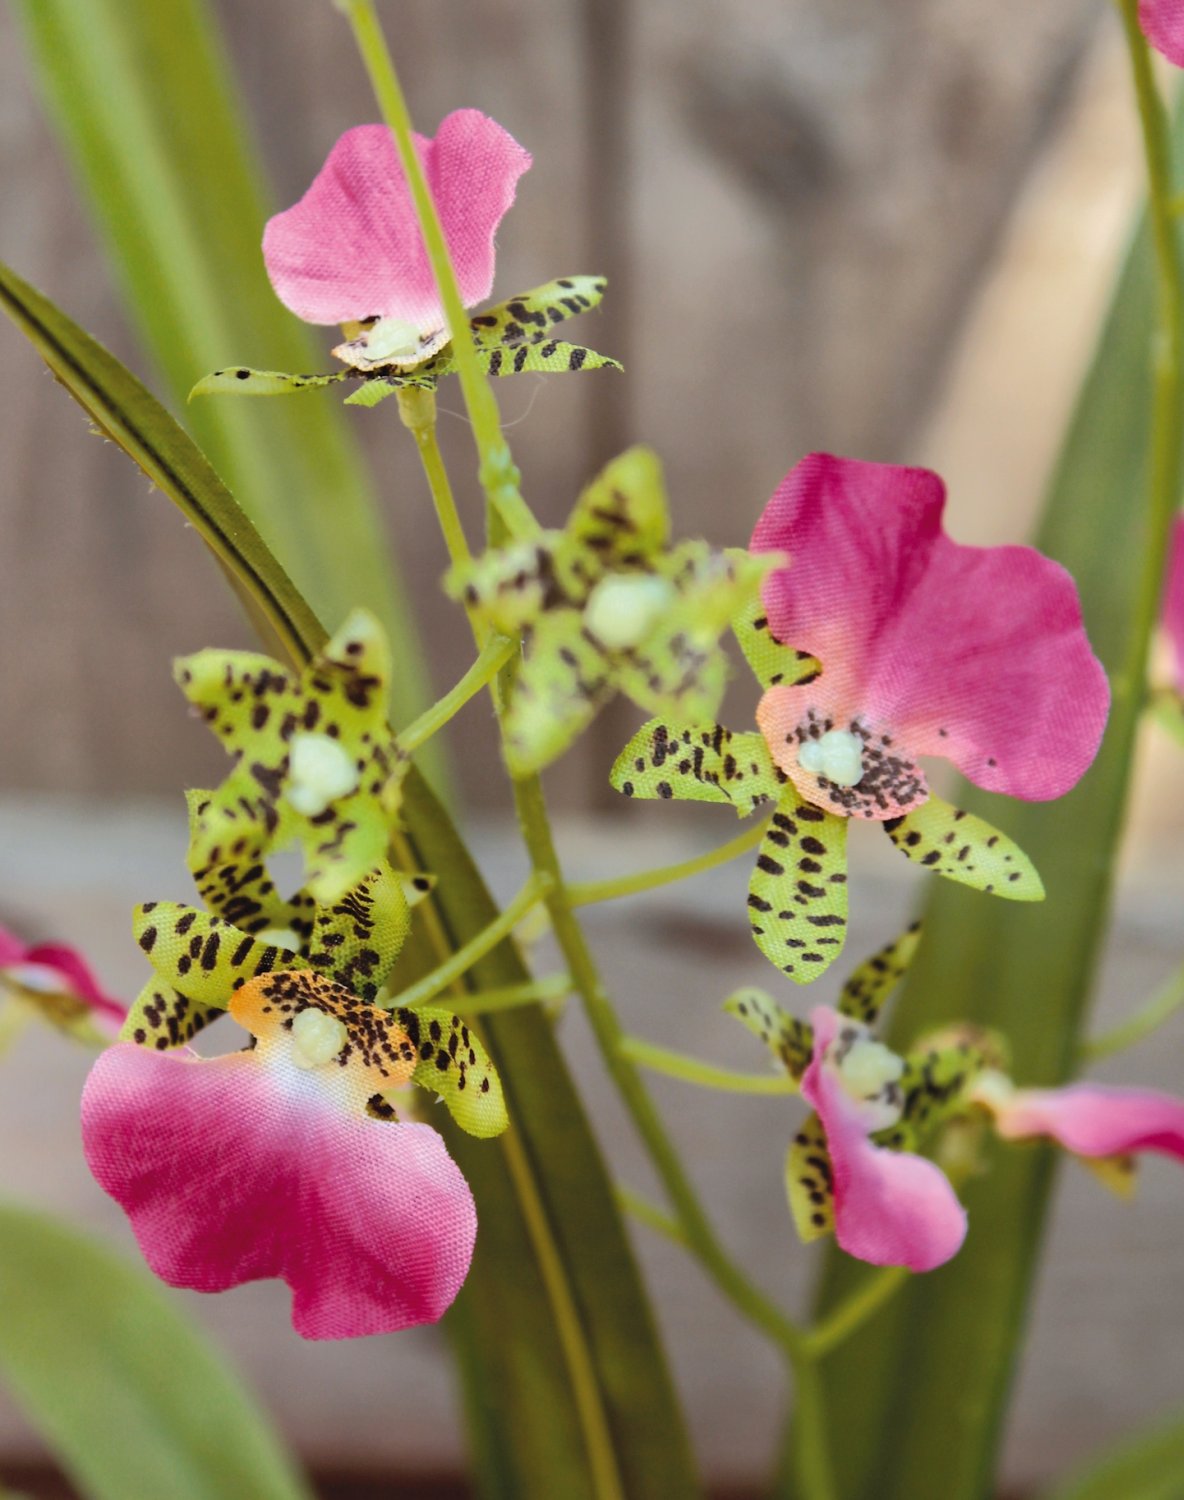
884	230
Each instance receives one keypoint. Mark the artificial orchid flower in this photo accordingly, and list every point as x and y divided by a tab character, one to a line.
1163	25
266	1163
351	253
1105	1127
852	1169
607	604
904	644
56	983
1173	604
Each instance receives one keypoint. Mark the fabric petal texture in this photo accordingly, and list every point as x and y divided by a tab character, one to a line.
977	654
231	1172
890	1208
351	248
1091	1119
1163	25
1173	597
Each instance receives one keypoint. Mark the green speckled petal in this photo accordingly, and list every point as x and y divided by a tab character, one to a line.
621	519
864	994
161	1017
239	381
697	763
454	1064
203	957
377	389
937	1073
789	1040
558	689
808	1181
237	885
533	313
357	938
774	664
797	898
509	587
964	848
546	357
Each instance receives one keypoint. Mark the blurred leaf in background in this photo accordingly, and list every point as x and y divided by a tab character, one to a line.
132	1401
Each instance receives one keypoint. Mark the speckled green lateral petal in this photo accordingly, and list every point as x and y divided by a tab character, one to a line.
532	314
789	1040
237	885
559	687
239	381
345	700
161	1017
203	957
808	1182
357	938
454	1065
697	763
864	994
371	392
934	1085
509	586
547	357
773	663
964	848
797	898
622	517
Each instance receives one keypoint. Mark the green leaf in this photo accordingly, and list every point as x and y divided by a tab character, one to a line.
797	897
129	1397
966	849
529	315
773	663
789	1039
697	763
1149	1466
141	94
1026	970
559	1352
869	986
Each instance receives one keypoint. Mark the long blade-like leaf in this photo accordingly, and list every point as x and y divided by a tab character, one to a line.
129	1396
1148	1466
566	1386
142	97
924	1390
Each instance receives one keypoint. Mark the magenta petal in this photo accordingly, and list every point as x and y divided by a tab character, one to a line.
351	248
1163	24
891	1208
12	950
977	654
79	977
1173	594
1091	1119
232	1171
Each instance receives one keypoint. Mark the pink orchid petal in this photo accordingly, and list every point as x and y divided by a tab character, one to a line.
79	977
351	248
1173	594
12	950
977	654
231	1171
891	1208
1091	1119
1163	24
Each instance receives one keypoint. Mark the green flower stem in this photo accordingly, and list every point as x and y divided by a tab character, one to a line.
463	959
651	1216
417	412
879	1287
496	652
592	891
499	477
815	1476
1162	1005
1168	347
481	1002
691	1070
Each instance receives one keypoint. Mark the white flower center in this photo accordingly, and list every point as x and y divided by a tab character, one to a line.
319	771
623	608
869	1073
317	1038
391	339
837	756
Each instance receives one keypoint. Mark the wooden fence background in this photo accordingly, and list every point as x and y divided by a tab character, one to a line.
794	203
